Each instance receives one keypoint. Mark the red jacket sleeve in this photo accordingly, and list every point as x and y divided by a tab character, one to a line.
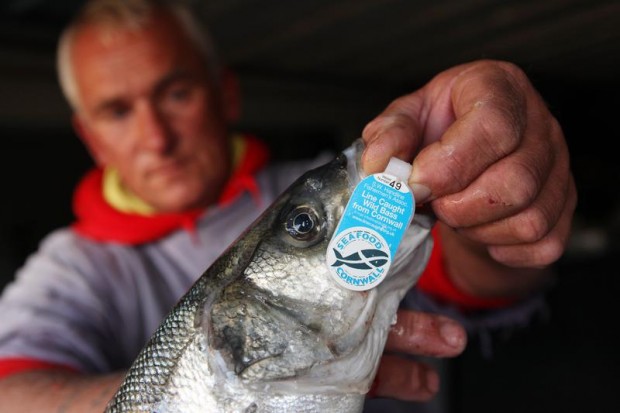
11	366
435	281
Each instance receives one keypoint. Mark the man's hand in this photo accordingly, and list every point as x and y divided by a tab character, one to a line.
492	161
423	335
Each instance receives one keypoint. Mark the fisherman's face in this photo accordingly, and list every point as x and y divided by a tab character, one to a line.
148	108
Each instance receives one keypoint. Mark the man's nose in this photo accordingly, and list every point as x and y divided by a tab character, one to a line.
154	130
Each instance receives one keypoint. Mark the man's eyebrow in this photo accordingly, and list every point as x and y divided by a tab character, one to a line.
177	75
108	104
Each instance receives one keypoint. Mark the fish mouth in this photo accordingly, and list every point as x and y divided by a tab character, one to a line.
353	156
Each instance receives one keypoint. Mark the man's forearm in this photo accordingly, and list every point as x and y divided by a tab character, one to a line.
57	391
475	272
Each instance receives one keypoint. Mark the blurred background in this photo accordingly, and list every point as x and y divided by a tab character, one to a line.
312	73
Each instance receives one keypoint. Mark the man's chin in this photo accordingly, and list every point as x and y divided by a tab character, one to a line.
177	201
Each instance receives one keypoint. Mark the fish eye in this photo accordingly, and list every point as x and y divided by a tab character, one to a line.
302	223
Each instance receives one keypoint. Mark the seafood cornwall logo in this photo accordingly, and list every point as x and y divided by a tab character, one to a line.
359	258
363	260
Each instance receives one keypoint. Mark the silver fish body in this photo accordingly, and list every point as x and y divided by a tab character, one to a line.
266	328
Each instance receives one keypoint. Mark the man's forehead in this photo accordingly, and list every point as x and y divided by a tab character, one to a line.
116	55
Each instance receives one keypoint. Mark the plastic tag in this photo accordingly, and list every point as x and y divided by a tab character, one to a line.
373	223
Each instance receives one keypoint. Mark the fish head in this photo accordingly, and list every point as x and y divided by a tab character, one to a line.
312	332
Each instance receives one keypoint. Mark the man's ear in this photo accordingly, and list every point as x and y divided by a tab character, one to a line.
231	95
88	139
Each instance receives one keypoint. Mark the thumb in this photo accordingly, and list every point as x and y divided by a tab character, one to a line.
395	132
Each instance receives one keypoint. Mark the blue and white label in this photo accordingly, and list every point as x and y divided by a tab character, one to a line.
377	215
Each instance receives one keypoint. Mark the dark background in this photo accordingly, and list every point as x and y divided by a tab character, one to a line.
312	74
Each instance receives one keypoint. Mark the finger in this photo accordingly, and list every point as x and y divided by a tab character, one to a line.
395	132
545	251
526	221
404	379
490	109
426	334
513	183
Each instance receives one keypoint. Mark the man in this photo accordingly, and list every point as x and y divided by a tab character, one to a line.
173	189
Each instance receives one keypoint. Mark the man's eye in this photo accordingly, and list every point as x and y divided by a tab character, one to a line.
116	112
119	112
179	94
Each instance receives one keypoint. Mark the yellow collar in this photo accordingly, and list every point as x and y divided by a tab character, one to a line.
121	198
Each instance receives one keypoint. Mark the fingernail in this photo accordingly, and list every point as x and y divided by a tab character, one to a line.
373	157
452	334
421	193
432	381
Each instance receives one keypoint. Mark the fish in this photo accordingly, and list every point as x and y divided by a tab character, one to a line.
359	262
265	328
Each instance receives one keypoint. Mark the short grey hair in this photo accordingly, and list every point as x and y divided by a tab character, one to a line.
132	14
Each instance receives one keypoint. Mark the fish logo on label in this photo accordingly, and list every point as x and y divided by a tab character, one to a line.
366	261
360	258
